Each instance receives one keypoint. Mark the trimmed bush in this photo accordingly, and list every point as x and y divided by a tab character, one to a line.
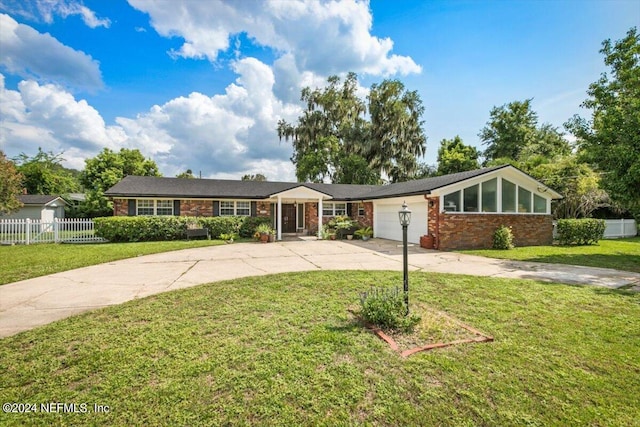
249	225
141	228
585	231
385	308
219	225
503	238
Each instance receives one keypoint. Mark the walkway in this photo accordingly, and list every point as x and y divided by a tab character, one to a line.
30	303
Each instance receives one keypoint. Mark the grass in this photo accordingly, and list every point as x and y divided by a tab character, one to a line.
620	254
25	262
283	350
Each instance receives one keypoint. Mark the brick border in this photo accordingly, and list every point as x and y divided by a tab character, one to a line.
481	337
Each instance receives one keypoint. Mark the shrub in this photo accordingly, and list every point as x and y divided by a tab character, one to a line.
503	238
385	308
580	231
250	223
141	228
364	232
343	225
219	225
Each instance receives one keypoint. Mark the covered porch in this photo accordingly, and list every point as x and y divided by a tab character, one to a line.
294	211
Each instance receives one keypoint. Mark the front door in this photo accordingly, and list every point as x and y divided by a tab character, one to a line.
288	218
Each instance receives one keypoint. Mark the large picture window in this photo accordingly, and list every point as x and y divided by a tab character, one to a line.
539	204
524	200
452	202
235	208
508	196
154	207
471	198
334	209
489	195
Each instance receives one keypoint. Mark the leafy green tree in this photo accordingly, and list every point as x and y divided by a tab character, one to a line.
333	135
324	133
44	174
425	171
10	185
107	169
256	177
510	128
454	156
610	140
397	137
188	174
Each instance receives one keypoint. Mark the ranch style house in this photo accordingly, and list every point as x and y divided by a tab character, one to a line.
457	211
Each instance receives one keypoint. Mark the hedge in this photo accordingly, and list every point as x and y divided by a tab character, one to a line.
580	231
156	228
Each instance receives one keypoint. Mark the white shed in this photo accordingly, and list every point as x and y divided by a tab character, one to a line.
39	207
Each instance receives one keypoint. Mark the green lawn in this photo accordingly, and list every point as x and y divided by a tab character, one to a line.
24	262
283	350
621	254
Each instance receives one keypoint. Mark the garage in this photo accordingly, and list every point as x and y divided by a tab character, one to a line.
386	222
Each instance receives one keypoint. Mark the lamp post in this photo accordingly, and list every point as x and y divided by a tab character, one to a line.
405	219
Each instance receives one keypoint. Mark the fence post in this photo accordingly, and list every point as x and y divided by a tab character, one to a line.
56	225
27	235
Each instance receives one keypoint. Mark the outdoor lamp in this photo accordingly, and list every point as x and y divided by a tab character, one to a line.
404	215
405	220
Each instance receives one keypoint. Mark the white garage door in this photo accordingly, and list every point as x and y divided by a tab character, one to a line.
387	224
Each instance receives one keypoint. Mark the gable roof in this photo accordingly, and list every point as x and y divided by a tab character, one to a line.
147	186
37	199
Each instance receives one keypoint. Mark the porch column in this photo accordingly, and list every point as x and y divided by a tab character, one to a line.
319	217
279	215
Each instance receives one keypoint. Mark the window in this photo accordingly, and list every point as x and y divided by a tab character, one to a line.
145	207
471	198
154	207
489	195
231	208
164	207
360	209
452	202
524	200
334	209
508	196
243	208
539	204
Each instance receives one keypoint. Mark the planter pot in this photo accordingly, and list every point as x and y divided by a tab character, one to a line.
264	237
349	236
272	238
332	237
426	242
365	238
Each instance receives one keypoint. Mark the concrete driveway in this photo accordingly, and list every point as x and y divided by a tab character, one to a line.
30	303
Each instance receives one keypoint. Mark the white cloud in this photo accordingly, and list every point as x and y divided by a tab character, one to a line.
47	116
225	135
321	37
49	8
31	54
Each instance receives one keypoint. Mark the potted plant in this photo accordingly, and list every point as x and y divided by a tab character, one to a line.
364	233
228	237
264	230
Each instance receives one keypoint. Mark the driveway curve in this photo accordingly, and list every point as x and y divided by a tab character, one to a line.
30	303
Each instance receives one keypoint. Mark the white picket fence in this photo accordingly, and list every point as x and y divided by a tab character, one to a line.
614	228
29	231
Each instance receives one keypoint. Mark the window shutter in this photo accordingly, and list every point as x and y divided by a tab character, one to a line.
176	207
254	208
132	207
216	208
349	209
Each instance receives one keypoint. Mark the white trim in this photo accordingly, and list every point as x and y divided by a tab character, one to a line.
235	207
154	202
279	215
333	209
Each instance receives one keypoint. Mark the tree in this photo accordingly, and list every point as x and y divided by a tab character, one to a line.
397	137
333	135
106	170
44	174
324	133
188	174
511	127
454	156
256	177
610	140
10	185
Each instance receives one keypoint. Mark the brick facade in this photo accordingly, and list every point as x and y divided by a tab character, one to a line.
469	231
196	208
120	207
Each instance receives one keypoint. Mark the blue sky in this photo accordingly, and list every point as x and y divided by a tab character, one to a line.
202	84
